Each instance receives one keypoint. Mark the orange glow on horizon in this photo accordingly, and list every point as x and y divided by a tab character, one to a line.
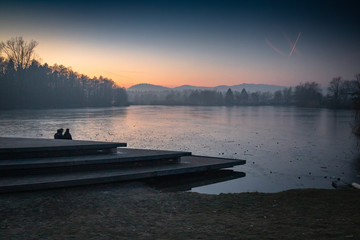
128	67
190	43
138	69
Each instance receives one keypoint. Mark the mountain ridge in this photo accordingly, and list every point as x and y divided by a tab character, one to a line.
250	87
147	87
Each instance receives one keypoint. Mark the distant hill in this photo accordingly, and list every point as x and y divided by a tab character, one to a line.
147	87
222	88
251	87
189	87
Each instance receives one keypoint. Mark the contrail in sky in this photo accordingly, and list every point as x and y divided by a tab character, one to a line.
273	47
292	50
291	43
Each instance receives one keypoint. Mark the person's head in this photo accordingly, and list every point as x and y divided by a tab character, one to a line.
67	130
60	130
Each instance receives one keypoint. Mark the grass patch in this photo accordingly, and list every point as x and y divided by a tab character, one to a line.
135	211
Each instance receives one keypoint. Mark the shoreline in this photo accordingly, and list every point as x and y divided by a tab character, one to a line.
134	210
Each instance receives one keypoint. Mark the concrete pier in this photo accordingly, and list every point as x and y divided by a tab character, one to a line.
32	164
11	148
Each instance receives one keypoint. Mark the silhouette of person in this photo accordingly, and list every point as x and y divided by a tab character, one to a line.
67	135
59	134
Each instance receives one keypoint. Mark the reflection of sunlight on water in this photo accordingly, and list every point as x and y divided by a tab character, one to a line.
285	147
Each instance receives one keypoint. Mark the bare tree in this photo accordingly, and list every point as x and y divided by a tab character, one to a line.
334	90
356	99
19	51
308	94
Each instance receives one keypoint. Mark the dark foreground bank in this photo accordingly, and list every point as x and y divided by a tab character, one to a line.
135	211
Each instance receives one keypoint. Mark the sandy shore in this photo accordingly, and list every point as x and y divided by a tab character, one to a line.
136	211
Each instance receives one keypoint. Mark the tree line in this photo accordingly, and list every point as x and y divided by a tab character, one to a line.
25	83
340	94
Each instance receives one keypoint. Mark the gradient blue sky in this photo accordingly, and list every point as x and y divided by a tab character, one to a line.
203	43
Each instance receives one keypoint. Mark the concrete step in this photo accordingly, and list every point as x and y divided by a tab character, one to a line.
188	164
12	148
121	156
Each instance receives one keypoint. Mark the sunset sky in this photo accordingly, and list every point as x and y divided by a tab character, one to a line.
202	43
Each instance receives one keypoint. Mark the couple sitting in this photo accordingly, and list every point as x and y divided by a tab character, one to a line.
59	134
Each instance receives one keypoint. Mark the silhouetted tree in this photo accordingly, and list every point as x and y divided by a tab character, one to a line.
211	98
2	65
120	97
173	98
242	98
346	92
334	91
255	98
41	86
287	95
19	51
356	99
229	98
266	98
194	98
278	97
340	93
308	95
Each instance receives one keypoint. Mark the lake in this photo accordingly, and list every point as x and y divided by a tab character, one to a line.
285	147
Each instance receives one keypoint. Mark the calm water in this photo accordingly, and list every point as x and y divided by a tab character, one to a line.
285	147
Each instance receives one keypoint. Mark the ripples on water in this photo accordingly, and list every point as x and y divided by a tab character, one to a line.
285	147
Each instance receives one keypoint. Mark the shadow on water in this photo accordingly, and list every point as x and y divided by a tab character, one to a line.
186	182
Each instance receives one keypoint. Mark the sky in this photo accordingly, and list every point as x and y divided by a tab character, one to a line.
202	43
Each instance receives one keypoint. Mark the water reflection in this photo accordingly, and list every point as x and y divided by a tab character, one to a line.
84	123
285	147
